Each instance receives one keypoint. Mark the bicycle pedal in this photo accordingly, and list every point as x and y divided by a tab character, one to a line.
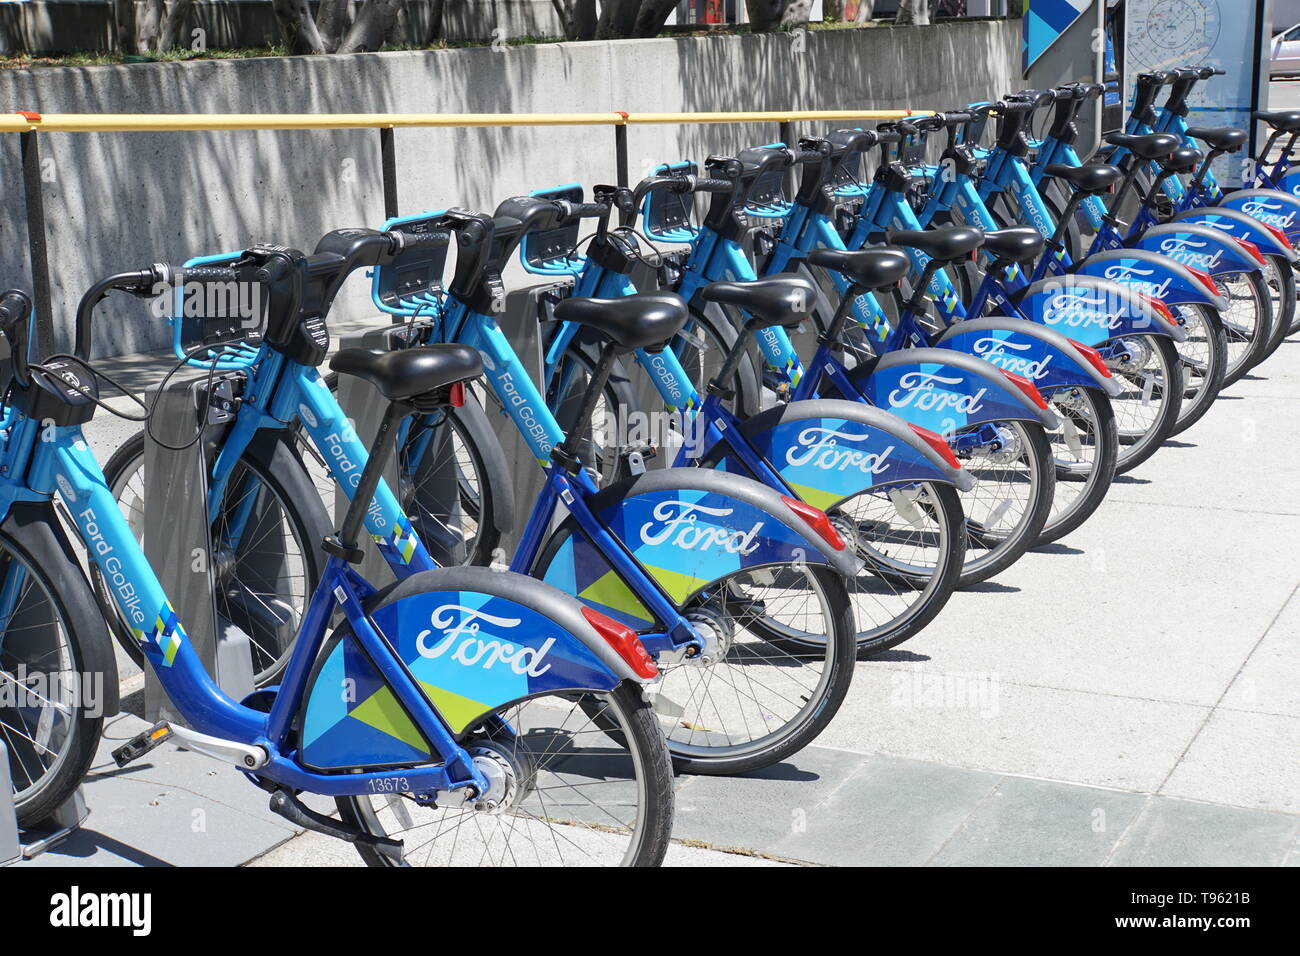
141	744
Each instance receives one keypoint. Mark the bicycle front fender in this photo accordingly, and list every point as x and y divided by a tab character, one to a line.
1044	356
1111	277
944	390
1198	247
829	450
1272	207
1235	223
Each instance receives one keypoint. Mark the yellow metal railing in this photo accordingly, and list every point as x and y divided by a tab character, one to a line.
163	122
30	124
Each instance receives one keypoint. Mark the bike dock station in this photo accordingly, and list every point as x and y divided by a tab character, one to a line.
956	747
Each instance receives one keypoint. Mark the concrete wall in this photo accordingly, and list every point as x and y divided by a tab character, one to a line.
121	200
59	26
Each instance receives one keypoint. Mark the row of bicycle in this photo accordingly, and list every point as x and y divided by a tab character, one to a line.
968	390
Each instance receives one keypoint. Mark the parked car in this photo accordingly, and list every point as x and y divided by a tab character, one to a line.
1284	55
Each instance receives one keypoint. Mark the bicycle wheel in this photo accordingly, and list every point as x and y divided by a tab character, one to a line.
445	490
1146	411
1085	448
51	714
1006	511
1247	322
601	450
1278	275
777	667
266	552
1204	360
587	783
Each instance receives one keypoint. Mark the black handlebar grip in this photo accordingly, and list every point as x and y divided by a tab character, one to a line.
714	185
583	210
15	307
207	274
273	270
803	156
414	240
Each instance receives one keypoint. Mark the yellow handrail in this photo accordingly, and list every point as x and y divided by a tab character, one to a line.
163	122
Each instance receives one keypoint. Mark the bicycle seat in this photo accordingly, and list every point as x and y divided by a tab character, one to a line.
1220	137
869	268
1091	178
406	373
1183	160
638	321
780	300
1018	244
1286	121
1146	145
946	245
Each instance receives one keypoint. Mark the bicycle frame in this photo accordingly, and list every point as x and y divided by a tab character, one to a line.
58	460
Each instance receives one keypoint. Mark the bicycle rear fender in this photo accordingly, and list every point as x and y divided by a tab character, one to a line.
687	527
1110	278
1044	356
1236	223
474	639
828	450
1198	247
1272	207
944	390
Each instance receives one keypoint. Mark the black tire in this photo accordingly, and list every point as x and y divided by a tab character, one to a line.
601	451
639	726
270	462
717	327
29	538
1204	359
466	441
1248	324
1140	443
943	505
813	718
990	554
1295	320
1278	275
1088	411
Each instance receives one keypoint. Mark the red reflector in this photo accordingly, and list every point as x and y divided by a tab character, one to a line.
1204	279
940	446
1252	249
816	519
624	641
1029	388
1093	356
1163	310
1281	236
456	395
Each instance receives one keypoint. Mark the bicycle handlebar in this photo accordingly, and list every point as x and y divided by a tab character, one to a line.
15	310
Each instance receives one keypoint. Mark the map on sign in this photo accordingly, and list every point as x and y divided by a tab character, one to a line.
1166	34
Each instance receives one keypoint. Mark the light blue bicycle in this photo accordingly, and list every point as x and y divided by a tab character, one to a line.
462	716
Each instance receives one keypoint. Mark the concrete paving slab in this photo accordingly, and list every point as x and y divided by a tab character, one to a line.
1107	741
1242	759
1104	614
888	813
170	808
761	809
1183	833
1027	822
1269	681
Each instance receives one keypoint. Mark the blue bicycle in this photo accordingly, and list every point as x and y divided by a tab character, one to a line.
736	592
461	716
